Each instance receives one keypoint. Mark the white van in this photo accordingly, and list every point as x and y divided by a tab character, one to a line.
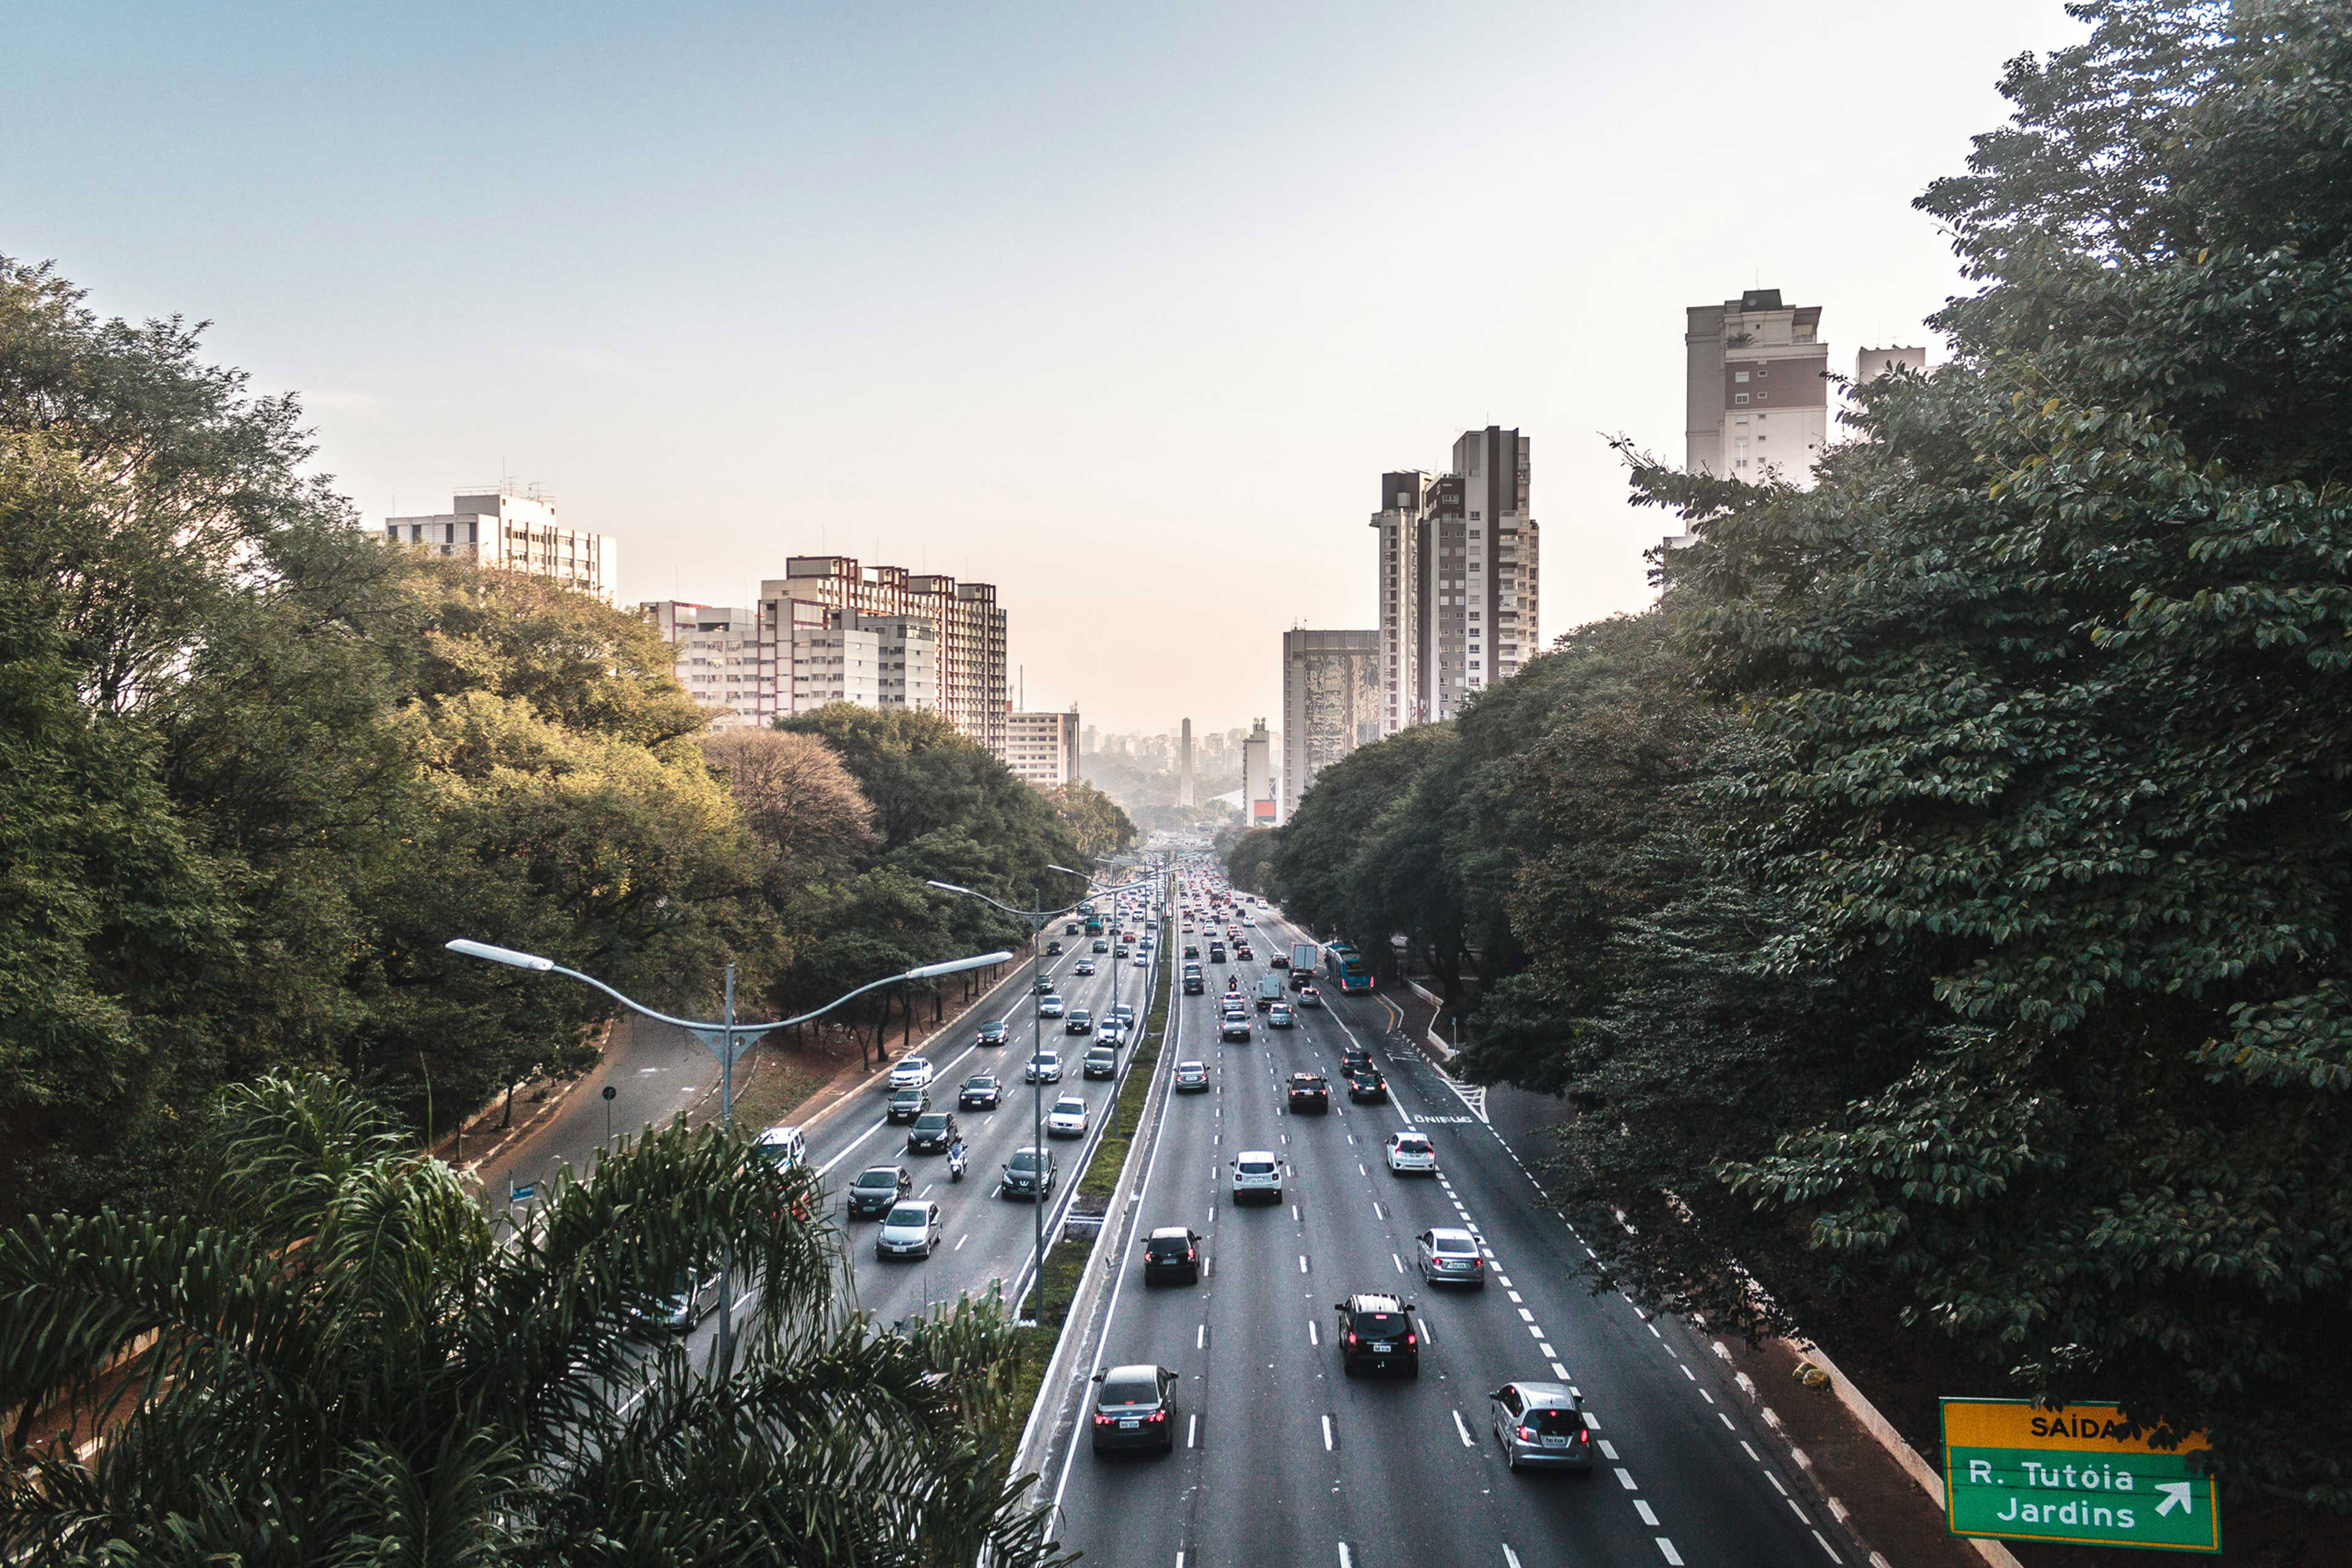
784	1147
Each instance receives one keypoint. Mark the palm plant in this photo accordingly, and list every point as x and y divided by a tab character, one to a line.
351	1365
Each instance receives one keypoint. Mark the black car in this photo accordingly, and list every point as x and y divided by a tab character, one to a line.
1102	1061
1376	1334
1102	944
1172	1252
1070	928
877	1190
1309	1092
1355	1058
1029	1174
981	1092
1053	950
1366	1085
1194	985
990	1033
1191	950
1042	985
1216	953
907	1104
1279	961
933	1132
1135	1407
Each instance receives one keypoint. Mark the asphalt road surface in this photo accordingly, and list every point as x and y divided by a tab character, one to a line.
1282	1458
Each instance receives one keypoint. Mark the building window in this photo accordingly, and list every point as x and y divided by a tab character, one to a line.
1740	398
1740	376
1761	371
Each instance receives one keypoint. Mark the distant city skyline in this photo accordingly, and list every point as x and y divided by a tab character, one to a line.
1115	308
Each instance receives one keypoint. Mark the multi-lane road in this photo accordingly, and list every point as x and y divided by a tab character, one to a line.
988	1240
1281	1458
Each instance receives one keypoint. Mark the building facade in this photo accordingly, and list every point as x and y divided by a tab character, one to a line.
1042	749
969	677
1261	805
509	526
1459	573
1756	397
1184	782
1331	703
717	657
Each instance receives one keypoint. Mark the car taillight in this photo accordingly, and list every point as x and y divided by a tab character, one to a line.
1191	1255
1582	1437
1101	1420
1351	1336
1157	1415
1411	1340
1526	1433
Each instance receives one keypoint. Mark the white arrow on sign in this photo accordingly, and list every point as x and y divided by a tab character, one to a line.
2176	1495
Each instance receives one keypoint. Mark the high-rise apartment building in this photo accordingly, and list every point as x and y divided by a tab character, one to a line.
509	526
967	670
1459	559
1042	749
836	656
1757	400
1184	769
1331	703
717	657
1261	805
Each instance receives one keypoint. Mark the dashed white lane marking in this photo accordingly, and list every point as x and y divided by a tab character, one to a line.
1192	1429
1461	1427
1326	1448
1749	1451
1302	1263
1800	1512
1515	1297
1727	1426
1535	1331
1828	1548
1547	1352
1312	1337
1673	1556
1609	1452
1703	1394
1398	1262
1694	1377
1510	1558
1526	1316
1201	1339
1643	1509
1625	1479
1345	1560
1774	1480
961	1239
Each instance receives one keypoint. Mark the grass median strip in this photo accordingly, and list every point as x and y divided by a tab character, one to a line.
1066	1263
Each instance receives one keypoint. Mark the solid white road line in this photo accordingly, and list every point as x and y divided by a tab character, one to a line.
1463	1428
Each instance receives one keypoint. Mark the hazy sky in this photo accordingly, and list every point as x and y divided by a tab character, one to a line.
1123	307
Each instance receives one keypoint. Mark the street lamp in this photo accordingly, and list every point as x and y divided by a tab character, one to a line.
726	1039
1037	920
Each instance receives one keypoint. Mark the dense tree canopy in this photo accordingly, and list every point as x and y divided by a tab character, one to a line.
1937	907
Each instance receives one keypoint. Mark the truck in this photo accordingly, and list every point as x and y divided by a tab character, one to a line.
1269	990
1303	960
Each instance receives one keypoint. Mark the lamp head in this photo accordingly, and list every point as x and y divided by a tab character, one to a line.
955	965
506	955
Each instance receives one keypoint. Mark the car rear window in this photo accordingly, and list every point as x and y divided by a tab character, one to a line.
1257	1167
1457	1246
1130	1393
1377	1325
1413	1145
907	1213
1169	1246
1552	1423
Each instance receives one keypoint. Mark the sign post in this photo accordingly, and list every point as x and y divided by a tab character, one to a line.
2019	1471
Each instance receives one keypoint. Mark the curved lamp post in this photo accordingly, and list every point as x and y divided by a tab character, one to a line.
726	1039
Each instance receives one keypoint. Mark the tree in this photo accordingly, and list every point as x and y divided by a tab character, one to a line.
796	798
370	1372
1249	859
1092	820
2054	656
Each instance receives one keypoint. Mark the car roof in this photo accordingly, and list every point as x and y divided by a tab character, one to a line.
1306	1078
1171	1232
1133	1371
1256	1154
914	1061
890	1171
1374	1302
1453	1233
1182	1066
1547	1395
780	1133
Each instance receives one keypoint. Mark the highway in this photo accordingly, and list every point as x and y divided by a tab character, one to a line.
988	1240
1282	1458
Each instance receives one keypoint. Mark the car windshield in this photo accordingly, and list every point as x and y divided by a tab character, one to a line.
934	1123
1026	1160
1069	1105
883	1178
1257	1167
908	1214
909	1096
1551	1423
1131	1391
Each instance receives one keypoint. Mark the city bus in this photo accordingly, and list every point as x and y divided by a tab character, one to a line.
1345	969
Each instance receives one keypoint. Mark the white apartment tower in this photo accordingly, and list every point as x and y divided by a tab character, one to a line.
836	656
1331	703
1459	573
1042	749
509	526
1757	400
1260	805
717	657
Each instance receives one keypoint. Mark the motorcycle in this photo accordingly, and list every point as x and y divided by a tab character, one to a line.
956	1163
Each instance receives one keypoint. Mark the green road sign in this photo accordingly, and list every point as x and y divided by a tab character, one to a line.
2020	1471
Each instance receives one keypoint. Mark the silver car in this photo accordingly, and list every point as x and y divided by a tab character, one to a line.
1450	1256
1540	1426
910	1230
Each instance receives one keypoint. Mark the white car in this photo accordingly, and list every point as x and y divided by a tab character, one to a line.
1046	1066
1412	1152
784	1147
911	1230
914	1073
1067	1119
1142	961
1050	1006
1083	966
1257	1176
